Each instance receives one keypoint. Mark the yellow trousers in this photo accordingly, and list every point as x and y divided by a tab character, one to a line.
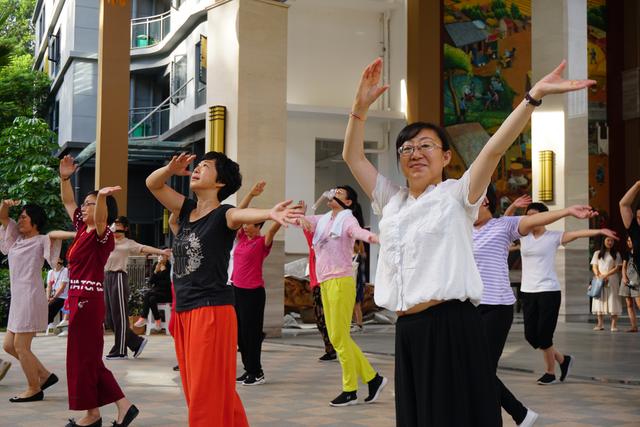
338	299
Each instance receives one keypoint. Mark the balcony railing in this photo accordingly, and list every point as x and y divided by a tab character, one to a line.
141	126
150	30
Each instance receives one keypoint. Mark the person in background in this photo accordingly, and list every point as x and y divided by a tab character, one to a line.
630	286
57	290
159	293
631	220
606	264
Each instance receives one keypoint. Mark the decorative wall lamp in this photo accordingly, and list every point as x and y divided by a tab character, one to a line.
217	121
545	187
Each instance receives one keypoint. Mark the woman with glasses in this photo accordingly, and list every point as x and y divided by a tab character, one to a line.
116	290
426	270
27	249
91	385
334	236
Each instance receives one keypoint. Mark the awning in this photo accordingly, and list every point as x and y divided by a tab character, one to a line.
140	149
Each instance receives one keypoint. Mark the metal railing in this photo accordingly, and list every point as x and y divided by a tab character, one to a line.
150	30
148	121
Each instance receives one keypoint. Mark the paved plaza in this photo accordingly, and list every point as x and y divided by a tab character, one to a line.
604	390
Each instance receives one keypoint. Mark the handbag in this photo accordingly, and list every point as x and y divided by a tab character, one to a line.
595	288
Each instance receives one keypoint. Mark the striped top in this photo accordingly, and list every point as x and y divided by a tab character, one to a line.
491	245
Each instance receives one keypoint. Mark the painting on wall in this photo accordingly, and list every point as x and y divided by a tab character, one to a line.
598	131
487	71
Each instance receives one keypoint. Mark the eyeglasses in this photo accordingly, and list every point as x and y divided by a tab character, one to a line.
85	204
408	149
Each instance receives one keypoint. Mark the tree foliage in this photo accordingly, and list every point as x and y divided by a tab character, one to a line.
597	17
456	59
17	29
23	92
29	169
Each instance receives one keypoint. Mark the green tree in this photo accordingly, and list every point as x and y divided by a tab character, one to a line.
515	11
499	9
29	169
6	48
23	92
17	29
455	60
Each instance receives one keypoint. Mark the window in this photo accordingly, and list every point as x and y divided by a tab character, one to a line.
54	117
179	78
201	72
40	27
177	3
54	53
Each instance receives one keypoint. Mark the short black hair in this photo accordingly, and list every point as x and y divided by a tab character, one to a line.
112	206
228	173
355	207
411	130
492	198
37	214
540	207
125	222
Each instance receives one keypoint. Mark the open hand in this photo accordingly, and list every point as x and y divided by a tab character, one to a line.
555	83
522	201
369	88
67	167
108	191
609	233
179	165
258	188
284	214
582	211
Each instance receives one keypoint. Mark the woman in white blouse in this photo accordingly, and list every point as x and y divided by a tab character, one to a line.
606	264
426	270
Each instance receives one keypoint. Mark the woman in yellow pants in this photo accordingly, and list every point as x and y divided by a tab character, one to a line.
334	236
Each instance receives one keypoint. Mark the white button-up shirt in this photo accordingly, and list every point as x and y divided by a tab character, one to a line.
426	244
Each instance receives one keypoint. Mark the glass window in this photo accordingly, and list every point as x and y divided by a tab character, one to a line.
179	78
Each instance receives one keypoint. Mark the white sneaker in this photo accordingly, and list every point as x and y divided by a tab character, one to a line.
64	333
50	326
530	419
140	323
4	368
63	323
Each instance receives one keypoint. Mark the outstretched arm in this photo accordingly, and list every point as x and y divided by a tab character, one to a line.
67	168
626	204
369	90
100	214
156	182
281	213
570	236
486	162
61	235
150	250
520	202
529	222
257	190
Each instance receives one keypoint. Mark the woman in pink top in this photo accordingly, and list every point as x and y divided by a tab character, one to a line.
334	236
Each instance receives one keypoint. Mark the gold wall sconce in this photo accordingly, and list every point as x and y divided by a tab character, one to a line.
545	187
217	122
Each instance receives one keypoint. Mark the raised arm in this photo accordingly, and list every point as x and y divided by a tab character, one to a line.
570	236
100	214
281	213
257	190
271	233
156	182
626	204
369	90
520	203
67	169
529	222
486	162
4	210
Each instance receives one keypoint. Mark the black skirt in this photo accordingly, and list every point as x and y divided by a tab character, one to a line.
443	372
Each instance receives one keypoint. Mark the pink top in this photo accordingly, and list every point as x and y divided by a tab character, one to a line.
334	254
248	257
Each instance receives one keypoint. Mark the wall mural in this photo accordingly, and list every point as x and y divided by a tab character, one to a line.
598	132
487	71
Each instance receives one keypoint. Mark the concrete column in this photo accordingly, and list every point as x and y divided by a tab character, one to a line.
424	61
112	124
247	73
559	31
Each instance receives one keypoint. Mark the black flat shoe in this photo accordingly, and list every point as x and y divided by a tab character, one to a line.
51	380
131	414
35	398
72	423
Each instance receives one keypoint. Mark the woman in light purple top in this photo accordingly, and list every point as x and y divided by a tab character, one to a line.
492	238
27	250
